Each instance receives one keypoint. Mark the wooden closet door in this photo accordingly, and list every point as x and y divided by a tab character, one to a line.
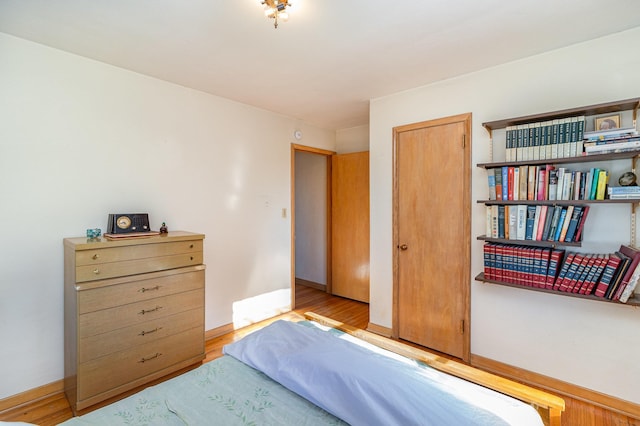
432	231
350	225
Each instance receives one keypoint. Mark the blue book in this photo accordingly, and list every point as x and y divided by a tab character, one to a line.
531	217
563	214
573	223
505	183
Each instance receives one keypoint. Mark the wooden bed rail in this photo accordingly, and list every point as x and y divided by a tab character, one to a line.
549	406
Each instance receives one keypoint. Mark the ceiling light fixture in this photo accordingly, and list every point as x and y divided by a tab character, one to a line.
276	9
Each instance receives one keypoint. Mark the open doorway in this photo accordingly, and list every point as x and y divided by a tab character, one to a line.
310	218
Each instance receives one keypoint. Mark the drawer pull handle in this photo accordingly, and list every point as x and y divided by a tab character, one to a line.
191	246
191	258
143	333
95	256
146	311
143	360
143	289
96	271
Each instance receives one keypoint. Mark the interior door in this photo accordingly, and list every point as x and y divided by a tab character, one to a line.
432	234
350	225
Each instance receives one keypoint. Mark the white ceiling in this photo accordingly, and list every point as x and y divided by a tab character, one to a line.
329	59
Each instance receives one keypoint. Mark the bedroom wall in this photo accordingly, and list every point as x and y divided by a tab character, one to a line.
80	139
353	139
587	343
311	217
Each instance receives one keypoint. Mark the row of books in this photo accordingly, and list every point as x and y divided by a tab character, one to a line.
532	183
611	276
536	223
545	140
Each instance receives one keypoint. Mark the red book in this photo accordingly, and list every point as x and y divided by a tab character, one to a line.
555	263
578	236
510	182
581	274
542	189
488	273
542	219
569	280
594	275
634	254
607	275
617	278
563	271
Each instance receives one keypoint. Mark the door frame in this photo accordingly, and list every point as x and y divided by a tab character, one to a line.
465	253
327	154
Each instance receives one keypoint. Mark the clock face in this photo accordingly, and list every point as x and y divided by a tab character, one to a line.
123	222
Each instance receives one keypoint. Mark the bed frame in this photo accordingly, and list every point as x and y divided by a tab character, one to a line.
549	406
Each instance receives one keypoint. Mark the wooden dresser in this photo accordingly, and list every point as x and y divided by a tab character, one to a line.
134	312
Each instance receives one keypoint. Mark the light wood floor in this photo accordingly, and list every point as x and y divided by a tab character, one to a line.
55	409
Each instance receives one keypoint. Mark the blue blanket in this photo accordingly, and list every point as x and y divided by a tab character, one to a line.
366	388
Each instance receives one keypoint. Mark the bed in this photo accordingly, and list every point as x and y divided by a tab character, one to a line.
321	372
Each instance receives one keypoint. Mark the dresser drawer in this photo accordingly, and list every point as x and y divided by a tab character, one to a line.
118	254
98	345
138	266
103	374
106	320
111	293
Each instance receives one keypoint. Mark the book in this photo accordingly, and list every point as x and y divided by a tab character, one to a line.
583	218
561	173
610	269
547	222
594	274
631	286
569	276
498	179
573	223
553	184
603	178
555	263
501	233
492	184
554	223
565	223
536	222
634	254
566	264
581	273
516	183
594	183
541	189
563	214
505	182
510	177
531	182
512	220
521	221
523	179
617	277
531	218
541	222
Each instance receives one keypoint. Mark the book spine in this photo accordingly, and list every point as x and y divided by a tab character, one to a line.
491	177
555	261
607	275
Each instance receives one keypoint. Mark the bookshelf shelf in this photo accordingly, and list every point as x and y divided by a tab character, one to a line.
582	159
633	301
557	202
604	108
532	243
582	182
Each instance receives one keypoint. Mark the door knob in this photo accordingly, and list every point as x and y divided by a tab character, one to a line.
404	247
